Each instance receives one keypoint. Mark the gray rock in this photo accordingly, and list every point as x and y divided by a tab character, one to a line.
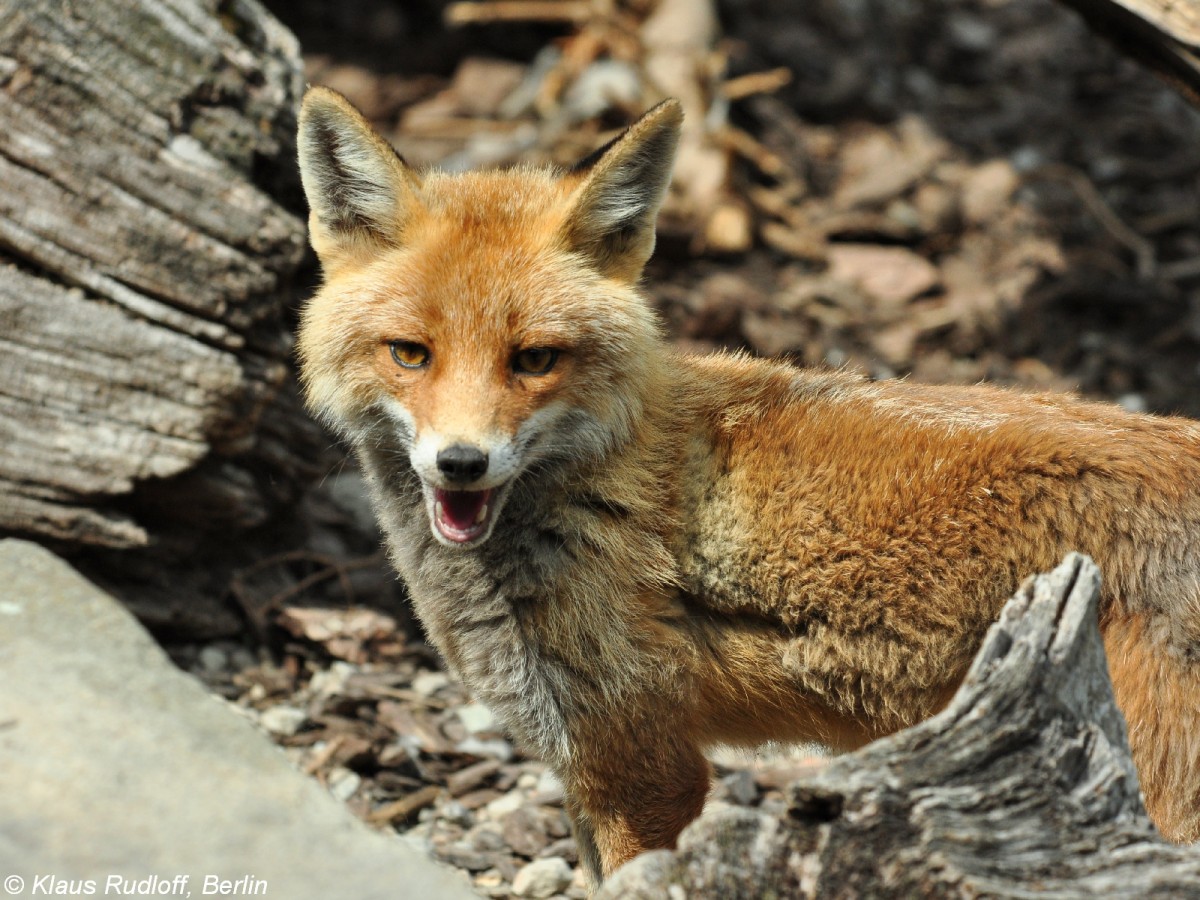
740	787
455	813
429	683
477	718
332	681
548	791
564	847
505	804
543	878
487	837
496	748
463	856
213	659
525	831
113	762
343	783
285	720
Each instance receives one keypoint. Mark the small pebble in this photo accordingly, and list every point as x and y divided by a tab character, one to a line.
1133	402
283	720
486	837
213	659
564	847
429	683
473	800
968	32
476	718
343	783
548	791
241	658
332	681
543	878
740	787
505	804
525	832
454	812
464	857
496	748
491	880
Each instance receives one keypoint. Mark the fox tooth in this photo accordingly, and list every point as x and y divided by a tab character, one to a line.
438	510
483	511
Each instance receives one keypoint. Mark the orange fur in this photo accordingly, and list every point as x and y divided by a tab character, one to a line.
1159	693
671	552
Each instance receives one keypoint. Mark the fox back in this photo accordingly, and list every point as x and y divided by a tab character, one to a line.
632	554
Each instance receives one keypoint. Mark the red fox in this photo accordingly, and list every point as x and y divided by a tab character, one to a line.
631	554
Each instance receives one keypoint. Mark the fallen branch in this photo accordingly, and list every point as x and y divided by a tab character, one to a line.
486	13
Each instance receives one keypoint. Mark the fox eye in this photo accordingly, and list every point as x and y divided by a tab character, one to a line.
535	360
409	354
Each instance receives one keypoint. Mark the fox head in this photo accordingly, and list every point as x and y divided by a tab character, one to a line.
487	322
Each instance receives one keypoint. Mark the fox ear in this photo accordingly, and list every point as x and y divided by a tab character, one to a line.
359	190
622	185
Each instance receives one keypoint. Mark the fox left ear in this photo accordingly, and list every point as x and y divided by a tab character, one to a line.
622	185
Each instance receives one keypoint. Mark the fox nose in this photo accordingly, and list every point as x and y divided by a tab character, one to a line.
462	463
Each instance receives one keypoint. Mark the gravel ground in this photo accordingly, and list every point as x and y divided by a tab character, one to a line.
406	748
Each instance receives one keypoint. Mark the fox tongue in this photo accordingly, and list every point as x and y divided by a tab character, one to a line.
461	509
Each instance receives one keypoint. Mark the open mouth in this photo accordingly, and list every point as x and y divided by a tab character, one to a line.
461	516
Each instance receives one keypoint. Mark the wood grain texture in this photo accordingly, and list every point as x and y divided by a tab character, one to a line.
1163	35
1023	786
150	227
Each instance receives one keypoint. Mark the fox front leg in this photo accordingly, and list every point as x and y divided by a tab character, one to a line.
626	804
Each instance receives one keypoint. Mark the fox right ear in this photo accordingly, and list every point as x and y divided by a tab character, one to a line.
360	192
621	187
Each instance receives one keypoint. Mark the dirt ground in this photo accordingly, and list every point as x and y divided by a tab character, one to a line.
952	191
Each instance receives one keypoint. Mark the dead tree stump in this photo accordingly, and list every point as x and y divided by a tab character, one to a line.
150	229
1022	787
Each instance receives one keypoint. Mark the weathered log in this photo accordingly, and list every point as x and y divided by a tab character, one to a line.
1022	786
1163	35
150	230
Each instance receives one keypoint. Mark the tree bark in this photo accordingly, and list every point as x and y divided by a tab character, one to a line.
1023	786
150	231
1163	35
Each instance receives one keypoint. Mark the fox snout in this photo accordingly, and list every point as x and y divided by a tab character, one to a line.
465	484
457	463
462	516
462	463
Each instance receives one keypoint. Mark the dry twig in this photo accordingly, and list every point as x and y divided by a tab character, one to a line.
1142	249
488	12
399	810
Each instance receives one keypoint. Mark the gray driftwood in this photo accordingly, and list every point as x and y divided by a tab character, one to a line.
1022	787
150	228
